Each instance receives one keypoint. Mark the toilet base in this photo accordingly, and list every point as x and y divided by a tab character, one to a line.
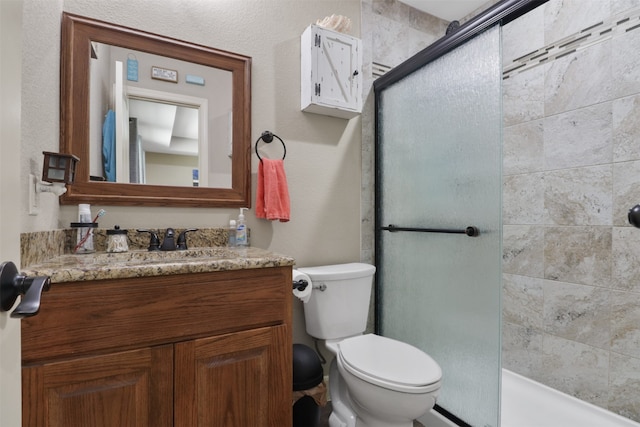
362	421
341	415
346	412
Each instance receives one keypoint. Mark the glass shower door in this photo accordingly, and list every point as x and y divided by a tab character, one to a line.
439	168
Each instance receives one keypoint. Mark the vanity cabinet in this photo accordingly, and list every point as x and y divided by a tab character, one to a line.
331	73
186	350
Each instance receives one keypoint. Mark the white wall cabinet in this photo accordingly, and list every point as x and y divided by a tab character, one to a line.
331	73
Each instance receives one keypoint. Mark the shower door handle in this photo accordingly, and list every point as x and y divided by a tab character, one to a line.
470	231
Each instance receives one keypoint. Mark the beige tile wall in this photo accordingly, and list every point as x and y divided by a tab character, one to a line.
571	172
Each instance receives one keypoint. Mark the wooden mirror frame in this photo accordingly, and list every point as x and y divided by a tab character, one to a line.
77	34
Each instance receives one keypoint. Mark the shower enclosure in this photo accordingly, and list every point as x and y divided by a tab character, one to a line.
438	212
552	222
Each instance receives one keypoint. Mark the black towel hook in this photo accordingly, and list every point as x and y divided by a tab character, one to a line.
267	136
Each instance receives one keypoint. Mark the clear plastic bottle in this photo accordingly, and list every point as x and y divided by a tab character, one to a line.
241	230
232	234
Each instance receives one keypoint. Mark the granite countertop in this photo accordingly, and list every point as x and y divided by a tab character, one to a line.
142	263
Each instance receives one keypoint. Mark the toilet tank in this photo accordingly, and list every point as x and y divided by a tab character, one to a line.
342	308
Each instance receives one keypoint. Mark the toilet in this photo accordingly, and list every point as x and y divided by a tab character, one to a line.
374	381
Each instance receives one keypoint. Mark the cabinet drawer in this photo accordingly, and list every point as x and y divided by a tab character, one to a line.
94	317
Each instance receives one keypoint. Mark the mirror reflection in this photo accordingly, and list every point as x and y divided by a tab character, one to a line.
163	143
159	121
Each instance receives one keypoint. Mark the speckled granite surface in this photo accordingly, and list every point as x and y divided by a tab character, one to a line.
43	255
39	246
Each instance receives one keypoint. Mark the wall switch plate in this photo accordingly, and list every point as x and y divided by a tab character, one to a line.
34	197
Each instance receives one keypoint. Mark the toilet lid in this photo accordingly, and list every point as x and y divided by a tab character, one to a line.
389	363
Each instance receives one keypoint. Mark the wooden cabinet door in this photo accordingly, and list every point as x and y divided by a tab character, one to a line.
127	389
242	379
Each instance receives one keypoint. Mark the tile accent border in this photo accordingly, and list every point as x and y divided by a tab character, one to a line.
597	33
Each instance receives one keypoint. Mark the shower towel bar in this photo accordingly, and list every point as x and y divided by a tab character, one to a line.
470	231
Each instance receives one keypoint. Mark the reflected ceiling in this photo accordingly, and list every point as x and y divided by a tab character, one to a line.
166	128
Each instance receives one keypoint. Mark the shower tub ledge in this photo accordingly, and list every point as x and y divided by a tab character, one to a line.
526	403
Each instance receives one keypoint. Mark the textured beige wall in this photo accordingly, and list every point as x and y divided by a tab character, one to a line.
323	153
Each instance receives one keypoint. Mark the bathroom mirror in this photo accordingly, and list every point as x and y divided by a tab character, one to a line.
107	71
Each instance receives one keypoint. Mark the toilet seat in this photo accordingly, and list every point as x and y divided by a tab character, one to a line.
388	363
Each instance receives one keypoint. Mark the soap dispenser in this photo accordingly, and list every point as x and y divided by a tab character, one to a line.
241	230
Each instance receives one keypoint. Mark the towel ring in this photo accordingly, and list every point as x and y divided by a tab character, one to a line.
267	136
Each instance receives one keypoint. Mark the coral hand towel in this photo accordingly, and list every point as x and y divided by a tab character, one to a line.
272	194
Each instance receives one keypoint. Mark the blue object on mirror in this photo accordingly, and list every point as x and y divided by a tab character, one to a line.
132	69
109	146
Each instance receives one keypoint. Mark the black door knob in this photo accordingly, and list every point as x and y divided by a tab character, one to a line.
12	285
